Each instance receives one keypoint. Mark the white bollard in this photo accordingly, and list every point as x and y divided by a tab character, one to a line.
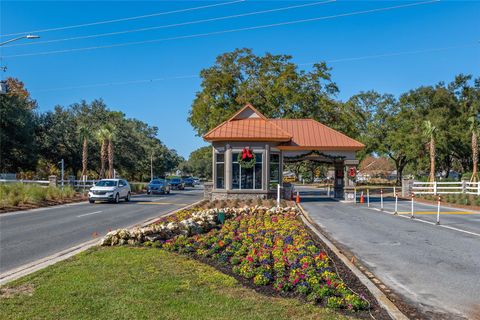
412	216
328	191
355	195
438	210
278	195
381	199
368	198
396	203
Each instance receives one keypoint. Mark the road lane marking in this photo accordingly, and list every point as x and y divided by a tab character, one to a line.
427	222
435	212
154	202
87	214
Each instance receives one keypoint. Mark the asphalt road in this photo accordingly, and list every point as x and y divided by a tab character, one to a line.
26	236
435	268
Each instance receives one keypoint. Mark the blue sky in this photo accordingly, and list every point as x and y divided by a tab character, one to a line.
399	49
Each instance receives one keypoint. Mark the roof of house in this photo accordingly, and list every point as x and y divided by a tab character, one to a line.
249	124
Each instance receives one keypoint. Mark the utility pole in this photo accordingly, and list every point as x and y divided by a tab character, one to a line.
62	162
151	166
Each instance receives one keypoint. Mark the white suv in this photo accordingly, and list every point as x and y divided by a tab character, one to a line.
110	190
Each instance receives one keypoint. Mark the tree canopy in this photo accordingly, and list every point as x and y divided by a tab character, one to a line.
272	83
388	125
34	143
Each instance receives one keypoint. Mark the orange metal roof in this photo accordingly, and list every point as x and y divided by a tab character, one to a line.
308	134
257	129
295	134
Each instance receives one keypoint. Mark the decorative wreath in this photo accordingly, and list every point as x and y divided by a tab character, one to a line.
352	172
247	159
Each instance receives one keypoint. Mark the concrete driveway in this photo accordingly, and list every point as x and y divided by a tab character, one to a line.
435	268
26	236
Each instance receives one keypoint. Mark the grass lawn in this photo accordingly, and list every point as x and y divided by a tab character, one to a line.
142	283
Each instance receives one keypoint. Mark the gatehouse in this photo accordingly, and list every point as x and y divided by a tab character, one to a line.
249	152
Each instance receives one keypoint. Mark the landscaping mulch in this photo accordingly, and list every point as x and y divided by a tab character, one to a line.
47	203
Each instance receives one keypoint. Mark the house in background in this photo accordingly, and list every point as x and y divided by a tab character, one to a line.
272	143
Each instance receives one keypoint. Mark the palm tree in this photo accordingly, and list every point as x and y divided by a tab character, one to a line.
110	137
102	137
429	132
474	128
84	134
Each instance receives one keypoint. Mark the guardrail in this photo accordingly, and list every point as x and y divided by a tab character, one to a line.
435	188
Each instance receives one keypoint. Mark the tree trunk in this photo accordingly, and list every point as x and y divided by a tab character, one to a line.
474	177
84	158
103	159
431	177
400	163
110	159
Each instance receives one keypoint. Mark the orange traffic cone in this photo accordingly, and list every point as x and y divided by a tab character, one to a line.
297	200
362	198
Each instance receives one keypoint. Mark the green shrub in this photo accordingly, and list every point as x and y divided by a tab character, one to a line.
16	194
138	186
477	201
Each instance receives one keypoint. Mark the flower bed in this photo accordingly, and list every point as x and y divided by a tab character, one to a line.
269	247
272	248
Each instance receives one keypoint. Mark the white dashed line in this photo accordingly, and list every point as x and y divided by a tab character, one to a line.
87	214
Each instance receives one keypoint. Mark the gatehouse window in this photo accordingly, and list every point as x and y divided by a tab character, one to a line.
247	178
220	169
274	170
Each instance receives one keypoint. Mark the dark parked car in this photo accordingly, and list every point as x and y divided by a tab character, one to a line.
189	182
176	183
158	186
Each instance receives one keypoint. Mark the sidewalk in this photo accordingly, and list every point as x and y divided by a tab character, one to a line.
435	269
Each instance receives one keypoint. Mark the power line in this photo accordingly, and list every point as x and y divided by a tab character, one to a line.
107	84
224	31
173	25
386	55
124	19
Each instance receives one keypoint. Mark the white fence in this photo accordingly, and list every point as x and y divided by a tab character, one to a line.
73	183
463	187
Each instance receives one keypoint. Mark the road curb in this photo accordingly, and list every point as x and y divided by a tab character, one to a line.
381	298
39	264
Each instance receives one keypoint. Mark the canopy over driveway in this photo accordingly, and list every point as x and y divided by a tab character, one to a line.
275	142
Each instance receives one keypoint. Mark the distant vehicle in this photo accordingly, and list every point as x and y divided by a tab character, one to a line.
110	190
196	181
158	186
176	183
317	180
189	182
